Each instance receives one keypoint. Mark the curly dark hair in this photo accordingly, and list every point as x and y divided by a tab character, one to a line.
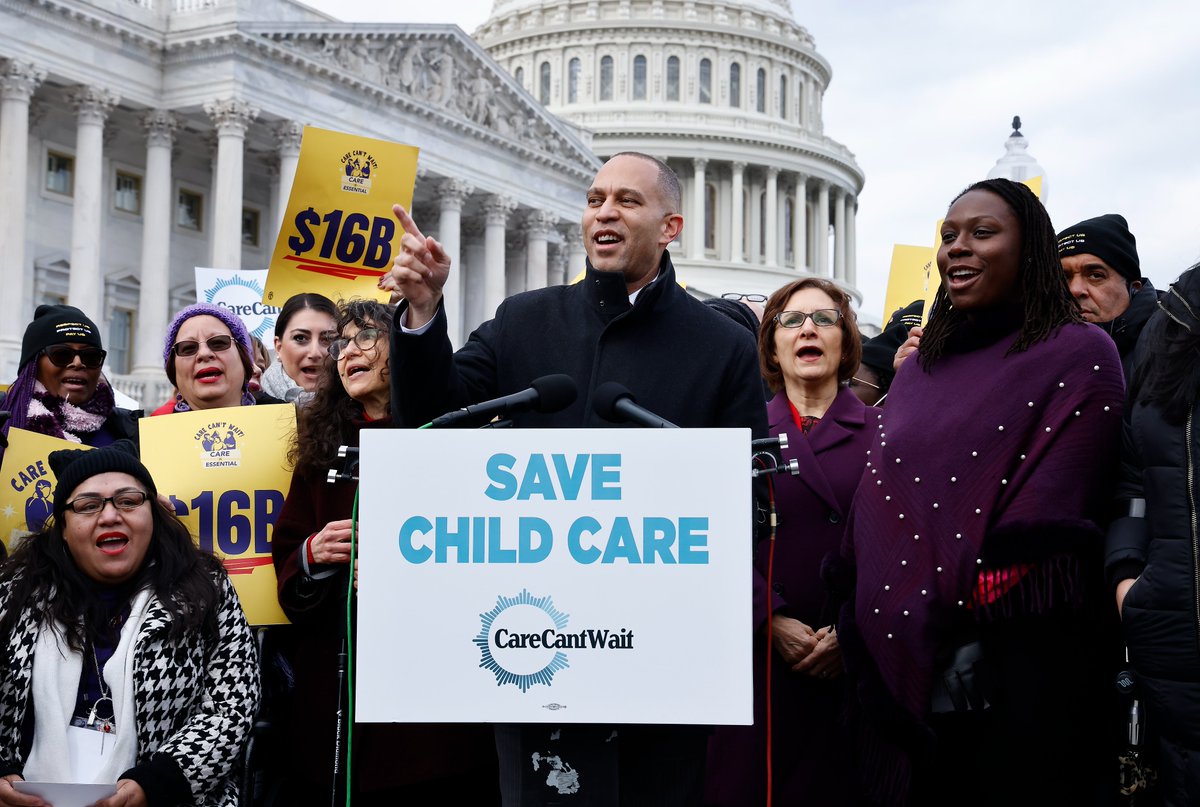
851	340
43	575
327	421
1043	289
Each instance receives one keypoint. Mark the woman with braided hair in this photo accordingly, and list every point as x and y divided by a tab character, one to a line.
973	628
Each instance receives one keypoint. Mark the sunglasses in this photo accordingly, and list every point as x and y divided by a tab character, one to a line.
190	347
61	356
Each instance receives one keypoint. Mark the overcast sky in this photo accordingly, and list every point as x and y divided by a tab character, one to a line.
923	94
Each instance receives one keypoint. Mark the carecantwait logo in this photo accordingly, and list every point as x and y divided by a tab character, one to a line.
522	640
243	297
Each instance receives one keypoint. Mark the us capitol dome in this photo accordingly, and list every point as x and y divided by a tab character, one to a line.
729	94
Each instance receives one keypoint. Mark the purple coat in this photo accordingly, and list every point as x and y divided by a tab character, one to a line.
809	744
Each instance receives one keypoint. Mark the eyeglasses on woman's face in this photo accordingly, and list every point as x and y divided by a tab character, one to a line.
190	347
364	340
91	504
61	356
822	317
737	295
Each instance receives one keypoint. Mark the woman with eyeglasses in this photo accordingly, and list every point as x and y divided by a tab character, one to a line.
809	346
977	631
303	332
209	358
1151	557
392	764
125	658
60	390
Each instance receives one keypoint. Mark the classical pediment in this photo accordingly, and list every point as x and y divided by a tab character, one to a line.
442	70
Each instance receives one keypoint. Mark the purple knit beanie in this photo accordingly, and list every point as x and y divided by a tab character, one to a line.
231	320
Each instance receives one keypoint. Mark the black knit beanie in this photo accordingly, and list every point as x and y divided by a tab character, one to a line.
72	466
1108	238
880	351
55	324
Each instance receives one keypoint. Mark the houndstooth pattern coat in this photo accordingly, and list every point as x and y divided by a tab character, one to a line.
195	700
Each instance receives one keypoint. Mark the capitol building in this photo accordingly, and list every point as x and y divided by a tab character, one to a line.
140	139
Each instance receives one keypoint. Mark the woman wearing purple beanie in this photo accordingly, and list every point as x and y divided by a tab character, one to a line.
209	358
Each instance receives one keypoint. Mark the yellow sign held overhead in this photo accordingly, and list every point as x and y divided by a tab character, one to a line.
339	234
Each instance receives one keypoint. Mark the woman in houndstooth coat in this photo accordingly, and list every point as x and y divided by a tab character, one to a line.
125	658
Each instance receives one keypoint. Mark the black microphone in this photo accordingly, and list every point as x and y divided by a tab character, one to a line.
614	402
550	393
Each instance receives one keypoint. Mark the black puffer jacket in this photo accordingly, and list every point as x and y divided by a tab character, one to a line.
1161	613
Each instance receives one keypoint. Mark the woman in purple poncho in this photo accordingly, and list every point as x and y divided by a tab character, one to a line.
973	631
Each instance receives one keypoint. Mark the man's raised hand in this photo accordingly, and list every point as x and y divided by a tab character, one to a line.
419	271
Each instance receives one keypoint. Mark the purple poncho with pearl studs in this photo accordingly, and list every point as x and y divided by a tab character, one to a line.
983	463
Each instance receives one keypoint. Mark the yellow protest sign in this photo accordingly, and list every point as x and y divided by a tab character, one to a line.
26	500
339	233
225	471
1034	184
913	276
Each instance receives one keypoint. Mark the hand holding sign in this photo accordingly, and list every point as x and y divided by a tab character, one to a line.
419	271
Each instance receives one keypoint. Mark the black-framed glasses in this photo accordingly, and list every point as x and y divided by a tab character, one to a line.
364	340
89	357
89	504
190	347
737	295
822	317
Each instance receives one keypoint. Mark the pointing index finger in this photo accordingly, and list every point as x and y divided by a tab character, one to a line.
407	222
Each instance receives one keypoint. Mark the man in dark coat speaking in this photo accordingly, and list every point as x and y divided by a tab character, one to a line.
628	322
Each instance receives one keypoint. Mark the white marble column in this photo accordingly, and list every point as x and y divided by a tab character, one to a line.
576	255
18	80
839	234
800	223
92	105
538	224
822	231
451	195
231	117
287	135
560	256
772	214
737	215
497	210
697	222
155	277
851	248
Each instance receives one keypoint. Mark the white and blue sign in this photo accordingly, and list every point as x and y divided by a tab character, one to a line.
240	291
577	576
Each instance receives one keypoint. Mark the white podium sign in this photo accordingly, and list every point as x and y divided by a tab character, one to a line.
557	575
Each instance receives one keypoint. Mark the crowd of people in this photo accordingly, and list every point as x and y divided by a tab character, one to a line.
989	516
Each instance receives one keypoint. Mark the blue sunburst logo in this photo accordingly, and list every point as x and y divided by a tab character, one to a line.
228	292
526	666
